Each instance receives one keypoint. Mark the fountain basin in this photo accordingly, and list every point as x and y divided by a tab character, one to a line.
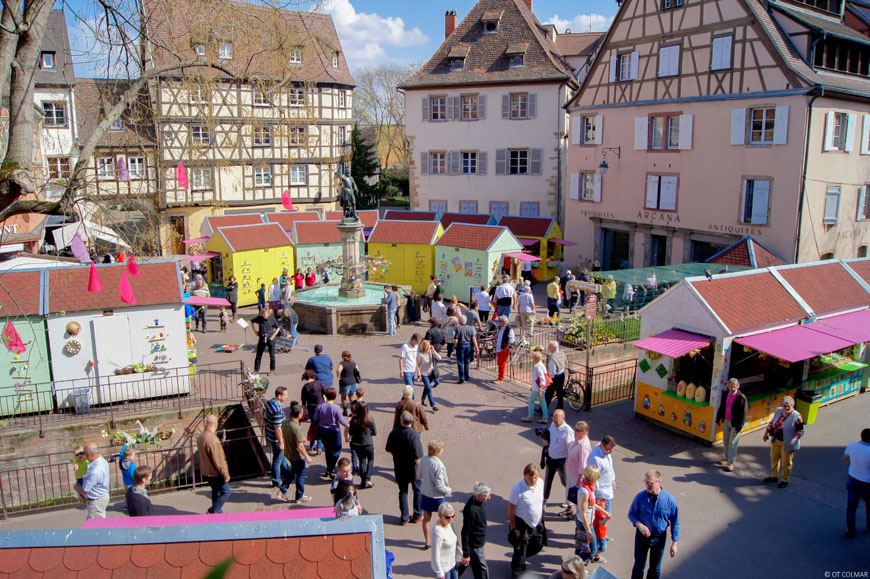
322	311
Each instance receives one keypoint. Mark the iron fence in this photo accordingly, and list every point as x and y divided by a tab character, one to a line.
607	382
112	397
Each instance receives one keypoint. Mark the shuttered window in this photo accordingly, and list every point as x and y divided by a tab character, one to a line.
756	201
661	192
832	206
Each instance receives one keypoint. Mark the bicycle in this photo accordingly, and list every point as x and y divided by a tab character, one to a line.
575	390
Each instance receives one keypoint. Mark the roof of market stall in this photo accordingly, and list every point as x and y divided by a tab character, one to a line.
669	274
747	252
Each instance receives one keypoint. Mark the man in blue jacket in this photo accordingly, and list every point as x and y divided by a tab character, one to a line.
651	512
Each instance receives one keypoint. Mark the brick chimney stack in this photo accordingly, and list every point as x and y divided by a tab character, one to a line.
449	23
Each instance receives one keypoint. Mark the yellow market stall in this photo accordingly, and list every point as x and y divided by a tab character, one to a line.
286	219
540	237
408	247
469	256
253	253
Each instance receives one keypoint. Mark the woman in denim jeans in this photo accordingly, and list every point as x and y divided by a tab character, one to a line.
329	422
425	366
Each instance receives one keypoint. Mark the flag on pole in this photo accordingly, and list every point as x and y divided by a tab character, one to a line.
181	175
288	203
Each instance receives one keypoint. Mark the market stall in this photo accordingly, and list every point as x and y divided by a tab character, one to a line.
469	256
317	243
286	219
540	237
211	223
777	330
408	247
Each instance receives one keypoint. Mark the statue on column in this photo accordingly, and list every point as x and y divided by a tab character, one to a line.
349	192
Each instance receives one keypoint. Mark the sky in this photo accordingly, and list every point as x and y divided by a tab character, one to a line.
385	31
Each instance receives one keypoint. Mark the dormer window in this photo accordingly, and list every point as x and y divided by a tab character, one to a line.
457	56
335	59
829	7
516	53
47	61
516	60
457	64
295	55
116	125
200	49
226	51
490	21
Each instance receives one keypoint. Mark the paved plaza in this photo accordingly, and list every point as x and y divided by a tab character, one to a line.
732	525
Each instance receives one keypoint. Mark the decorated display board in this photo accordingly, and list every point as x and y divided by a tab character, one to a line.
25	385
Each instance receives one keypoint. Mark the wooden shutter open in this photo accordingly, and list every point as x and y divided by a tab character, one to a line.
829	131
535	161
599	129
635	65
668	197
574	192
500	161
686	125
862	200
641	133
596	188
738	126
425	109
533	105
505	106
780	126
454	162
613	64
482	162
652	192
865	136
760	201
850	132
481	107
424	163
576	129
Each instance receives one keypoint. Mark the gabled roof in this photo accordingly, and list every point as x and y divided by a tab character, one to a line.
825	286
527	226
477	218
56	39
860	9
471	236
411	215
179	25
93	99
826	25
248	237
286	219
487	59
368	217
67	288
747	252
578	43
860	267
213	222
20	293
311	232
423	232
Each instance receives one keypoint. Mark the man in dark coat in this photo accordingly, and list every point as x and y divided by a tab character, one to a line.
404	444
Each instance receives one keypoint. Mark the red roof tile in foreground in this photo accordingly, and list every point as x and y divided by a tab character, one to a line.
368	217
470	236
826	287
477	218
410	215
744	302
737	254
527	226
862	268
404	232
286	219
216	221
763	257
247	237
68	287
19	293
309	232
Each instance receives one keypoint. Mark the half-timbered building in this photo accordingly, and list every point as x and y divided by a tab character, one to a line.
276	118
702	121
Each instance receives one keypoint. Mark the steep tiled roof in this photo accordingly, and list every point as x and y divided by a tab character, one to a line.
68	287
368	217
578	43
19	293
823	24
262	38
215	221
247	237
470	236
825	287
487	60
478	218
527	226
404	232
305	232
747	252
286	219
56	39
749	301
411	215
93	99
862	268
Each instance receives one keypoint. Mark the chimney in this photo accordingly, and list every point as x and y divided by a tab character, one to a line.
449	23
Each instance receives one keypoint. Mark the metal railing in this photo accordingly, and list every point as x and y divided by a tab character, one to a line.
111	397
612	329
45	482
607	382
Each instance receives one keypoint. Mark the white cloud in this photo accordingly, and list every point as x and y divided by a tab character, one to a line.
364	35
582	23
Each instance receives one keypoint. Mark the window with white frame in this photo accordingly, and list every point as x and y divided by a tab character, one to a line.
200	178
721	58
518	162
673	141
199	94
106	167
58	167
199	135
832	205
116	125
296	136
530	209
438	108
335	60
468	207
863	203
762	125
756	201
262	176
136	167
469	162
587	186
664	132
261	97
54	114
623	67
298	175
47	60
342	99
438	163
661	192
669	60
469	107
590	130
200	50
342	135
225	51
262	136
519	106
841	129
668	4
296	96
295	55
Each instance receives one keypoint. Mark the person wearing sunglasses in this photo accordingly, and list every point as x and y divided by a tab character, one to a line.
572	568
444	547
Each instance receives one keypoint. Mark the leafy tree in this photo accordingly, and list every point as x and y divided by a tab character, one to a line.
365	165
395	182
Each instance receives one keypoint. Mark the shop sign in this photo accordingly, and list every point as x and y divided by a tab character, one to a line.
735	229
658	216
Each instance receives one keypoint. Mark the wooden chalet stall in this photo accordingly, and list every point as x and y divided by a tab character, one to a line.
211	223
409	248
369	218
797	330
473	218
318	242
469	256
286	219
540	237
398	215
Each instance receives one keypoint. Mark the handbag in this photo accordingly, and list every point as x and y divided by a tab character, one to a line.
537	541
434	374
356	375
572	494
548	380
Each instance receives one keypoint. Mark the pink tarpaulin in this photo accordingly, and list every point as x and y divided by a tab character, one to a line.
522	256
176	520
196	240
562	242
854	327
203	301
200	256
528	242
674	343
795	343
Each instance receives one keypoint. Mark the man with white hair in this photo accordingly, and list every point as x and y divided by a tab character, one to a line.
526	304
556	364
95	484
416	410
473	532
465	339
505	297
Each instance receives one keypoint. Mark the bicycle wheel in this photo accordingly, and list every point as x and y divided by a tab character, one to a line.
575	395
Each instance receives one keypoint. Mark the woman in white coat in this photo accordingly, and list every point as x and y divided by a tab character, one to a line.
434	486
444	549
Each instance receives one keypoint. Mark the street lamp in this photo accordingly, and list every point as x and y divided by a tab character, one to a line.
604	167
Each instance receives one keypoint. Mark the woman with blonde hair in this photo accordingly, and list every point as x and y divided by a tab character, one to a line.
427	370
444	544
434	486
538	387
585	542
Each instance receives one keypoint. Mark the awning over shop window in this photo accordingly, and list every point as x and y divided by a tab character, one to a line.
674	343
562	242
195	240
200	257
203	301
795	343
854	327
522	256
528	242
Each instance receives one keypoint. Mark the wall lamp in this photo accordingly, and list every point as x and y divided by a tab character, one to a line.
604	167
